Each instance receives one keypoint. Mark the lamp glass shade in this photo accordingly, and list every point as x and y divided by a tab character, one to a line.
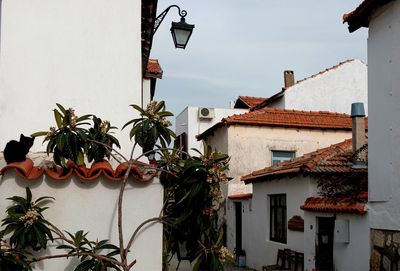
181	32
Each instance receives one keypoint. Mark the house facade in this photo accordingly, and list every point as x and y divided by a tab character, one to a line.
330	232
193	121
333	89
262	137
382	19
92	56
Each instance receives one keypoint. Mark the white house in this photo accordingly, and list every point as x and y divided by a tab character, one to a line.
91	56
262	138
382	19
333	89
193	121
330	232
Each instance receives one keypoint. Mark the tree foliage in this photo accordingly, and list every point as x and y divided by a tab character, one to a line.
192	213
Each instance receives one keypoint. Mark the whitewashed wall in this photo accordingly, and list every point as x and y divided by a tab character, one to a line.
352	256
259	249
384	127
250	149
83	54
92	206
188	122
334	90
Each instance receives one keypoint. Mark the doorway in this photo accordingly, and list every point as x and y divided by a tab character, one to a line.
324	244
238	224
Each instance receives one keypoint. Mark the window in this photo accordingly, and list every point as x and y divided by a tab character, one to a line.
277	229
279	156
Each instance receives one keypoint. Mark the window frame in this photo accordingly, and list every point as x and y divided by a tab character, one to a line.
281	151
278	218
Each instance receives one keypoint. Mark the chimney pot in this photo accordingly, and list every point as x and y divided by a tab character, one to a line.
288	78
357	110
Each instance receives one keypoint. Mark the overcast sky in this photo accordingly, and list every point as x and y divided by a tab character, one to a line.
242	47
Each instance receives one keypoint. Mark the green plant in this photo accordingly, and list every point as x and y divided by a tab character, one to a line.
26	224
100	133
68	140
86	250
191	212
151	126
194	206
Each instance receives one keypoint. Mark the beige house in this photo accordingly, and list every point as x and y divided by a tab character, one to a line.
265	137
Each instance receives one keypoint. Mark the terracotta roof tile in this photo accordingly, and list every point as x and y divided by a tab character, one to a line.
249	101
28	171
333	159
361	15
241	196
153	69
337	205
285	118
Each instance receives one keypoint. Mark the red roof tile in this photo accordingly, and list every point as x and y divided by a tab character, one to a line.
333	159
153	69
248	101
282	92
285	118
241	196
28	171
361	15
337	205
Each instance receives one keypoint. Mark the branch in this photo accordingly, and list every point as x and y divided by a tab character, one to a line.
147	221
94	255
111	150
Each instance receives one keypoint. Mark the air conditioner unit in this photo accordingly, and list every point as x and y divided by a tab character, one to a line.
206	113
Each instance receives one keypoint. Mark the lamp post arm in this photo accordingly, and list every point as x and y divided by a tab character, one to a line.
162	15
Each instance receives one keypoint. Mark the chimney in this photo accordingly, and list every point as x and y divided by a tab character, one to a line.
288	78
358	127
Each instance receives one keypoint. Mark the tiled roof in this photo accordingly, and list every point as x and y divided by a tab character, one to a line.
153	69
337	205
248	101
241	196
335	159
27	170
361	15
285	118
281	93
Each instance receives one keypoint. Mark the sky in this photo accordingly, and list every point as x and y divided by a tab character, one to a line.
242	47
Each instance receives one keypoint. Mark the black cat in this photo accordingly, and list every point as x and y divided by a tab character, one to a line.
16	151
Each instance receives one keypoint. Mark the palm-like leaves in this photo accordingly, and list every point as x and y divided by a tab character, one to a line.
100	132
86	251
151	127
67	141
26	223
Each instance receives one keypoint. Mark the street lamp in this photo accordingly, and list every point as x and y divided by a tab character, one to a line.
181	31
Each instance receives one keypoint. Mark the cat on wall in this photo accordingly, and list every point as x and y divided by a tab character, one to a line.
16	151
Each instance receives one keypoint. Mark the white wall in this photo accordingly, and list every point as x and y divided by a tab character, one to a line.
384	127
92	206
188	122
259	249
83	54
333	91
250	149
352	256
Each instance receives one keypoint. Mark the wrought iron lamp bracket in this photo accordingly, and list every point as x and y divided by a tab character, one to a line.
162	15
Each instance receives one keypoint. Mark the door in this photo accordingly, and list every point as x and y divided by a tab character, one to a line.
238	224
324	245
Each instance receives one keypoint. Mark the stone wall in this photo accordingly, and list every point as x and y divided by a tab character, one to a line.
385	254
